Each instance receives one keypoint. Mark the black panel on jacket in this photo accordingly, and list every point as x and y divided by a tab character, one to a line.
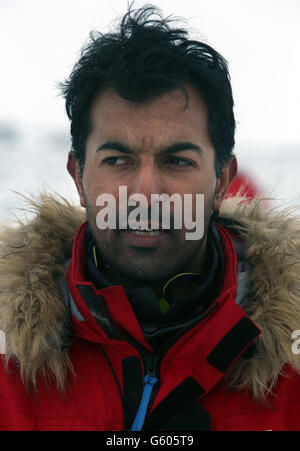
232	344
172	405
193	418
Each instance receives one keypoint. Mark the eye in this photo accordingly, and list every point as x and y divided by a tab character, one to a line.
116	161
177	161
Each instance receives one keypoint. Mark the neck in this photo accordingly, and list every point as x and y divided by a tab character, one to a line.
180	288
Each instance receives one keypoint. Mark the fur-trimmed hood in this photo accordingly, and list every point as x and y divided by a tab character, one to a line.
36	321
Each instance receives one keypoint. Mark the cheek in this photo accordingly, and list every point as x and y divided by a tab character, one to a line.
93	192
206	188
207	184
95	184
202	184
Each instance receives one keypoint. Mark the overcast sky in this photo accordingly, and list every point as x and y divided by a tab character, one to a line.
40	41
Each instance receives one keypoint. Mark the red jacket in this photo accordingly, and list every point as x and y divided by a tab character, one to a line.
111	358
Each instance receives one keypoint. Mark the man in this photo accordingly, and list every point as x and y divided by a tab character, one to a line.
136	327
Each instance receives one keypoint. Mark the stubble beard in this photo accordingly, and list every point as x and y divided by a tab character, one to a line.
145	264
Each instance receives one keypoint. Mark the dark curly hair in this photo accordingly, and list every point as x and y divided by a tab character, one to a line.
143	59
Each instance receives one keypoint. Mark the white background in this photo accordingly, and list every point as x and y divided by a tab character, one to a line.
40	42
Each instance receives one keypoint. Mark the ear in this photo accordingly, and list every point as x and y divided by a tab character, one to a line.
223	182
74	171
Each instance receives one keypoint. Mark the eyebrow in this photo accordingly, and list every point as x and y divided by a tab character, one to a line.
173	148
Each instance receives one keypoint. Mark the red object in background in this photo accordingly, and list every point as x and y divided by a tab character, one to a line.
244	184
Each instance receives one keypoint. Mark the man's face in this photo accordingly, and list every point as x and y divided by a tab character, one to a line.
144	147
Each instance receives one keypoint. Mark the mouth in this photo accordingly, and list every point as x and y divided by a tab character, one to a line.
145	237
148	232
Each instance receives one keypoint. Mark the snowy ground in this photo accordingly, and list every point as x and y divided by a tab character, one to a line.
36	160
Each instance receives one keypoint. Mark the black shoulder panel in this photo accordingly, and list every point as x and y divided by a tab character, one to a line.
233	344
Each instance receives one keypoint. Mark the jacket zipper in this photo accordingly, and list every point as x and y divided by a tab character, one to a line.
152	366
150	390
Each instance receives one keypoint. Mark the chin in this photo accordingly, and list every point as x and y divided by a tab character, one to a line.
145	275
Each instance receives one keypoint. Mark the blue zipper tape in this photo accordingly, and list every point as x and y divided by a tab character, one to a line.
142	410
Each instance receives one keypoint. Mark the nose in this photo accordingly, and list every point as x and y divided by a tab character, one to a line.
147	180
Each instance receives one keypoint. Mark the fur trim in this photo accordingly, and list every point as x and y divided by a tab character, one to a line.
272	250
32	313
35	320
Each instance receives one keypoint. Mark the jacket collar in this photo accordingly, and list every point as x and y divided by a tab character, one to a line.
224	333
158	326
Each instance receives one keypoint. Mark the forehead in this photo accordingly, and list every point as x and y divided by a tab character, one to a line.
163	118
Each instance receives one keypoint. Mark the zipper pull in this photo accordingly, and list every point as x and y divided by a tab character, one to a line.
152	365
150	381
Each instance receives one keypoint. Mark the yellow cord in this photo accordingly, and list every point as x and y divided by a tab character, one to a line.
95	256
164	305
177	275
